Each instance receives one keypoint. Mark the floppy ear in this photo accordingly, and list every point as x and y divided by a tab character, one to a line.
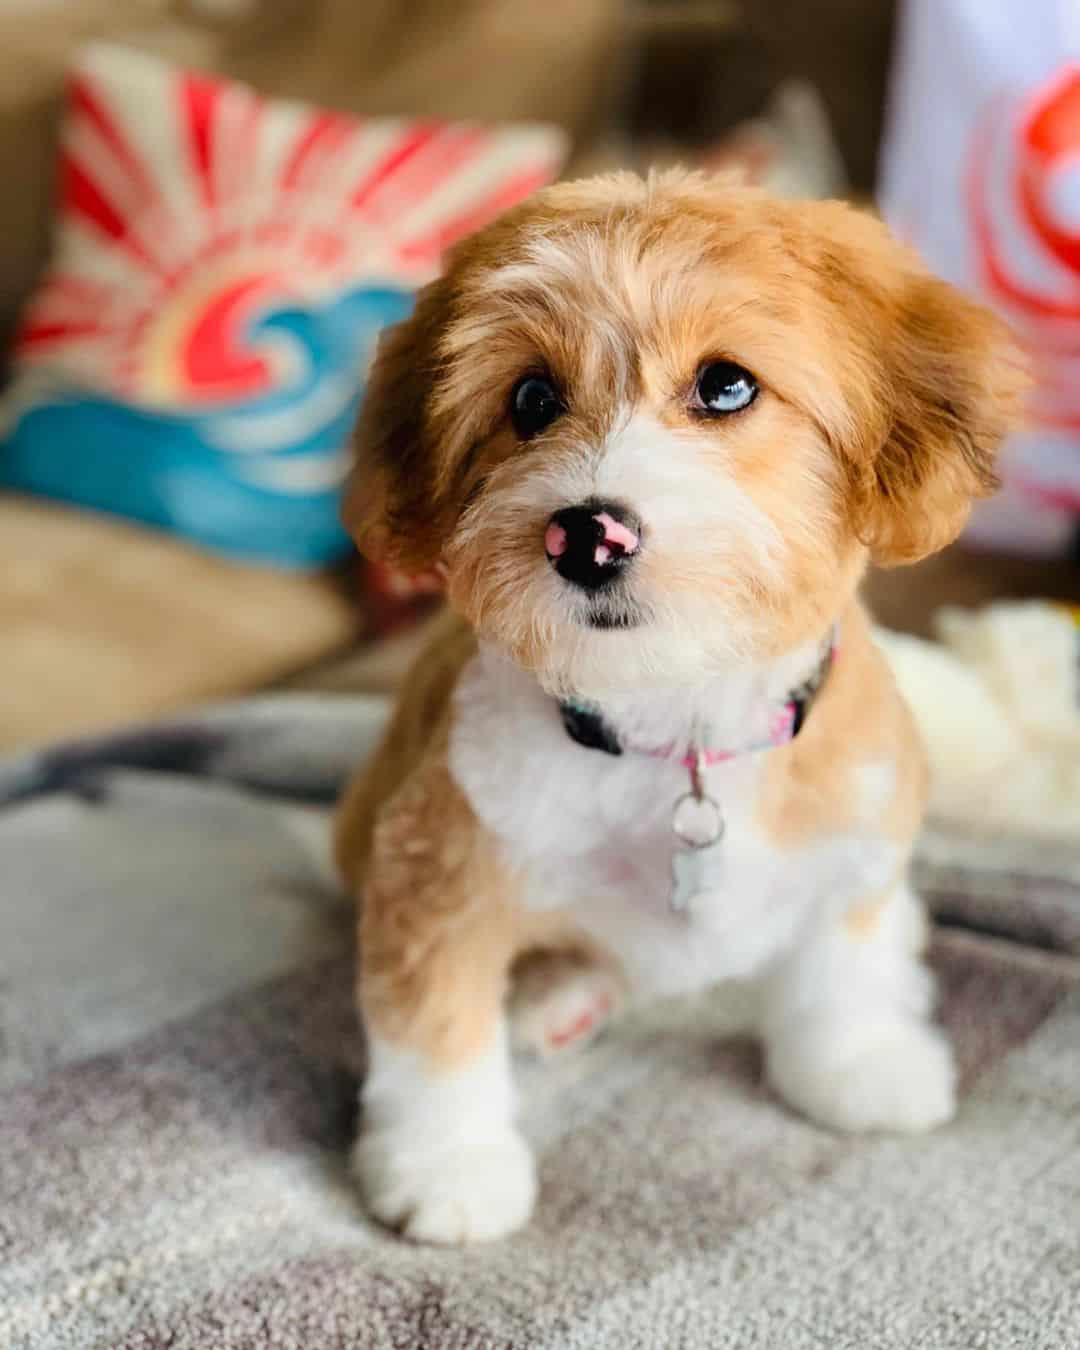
948	386
392	505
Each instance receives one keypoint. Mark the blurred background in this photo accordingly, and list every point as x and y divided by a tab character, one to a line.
211	206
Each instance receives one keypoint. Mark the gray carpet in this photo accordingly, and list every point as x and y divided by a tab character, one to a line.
179	1065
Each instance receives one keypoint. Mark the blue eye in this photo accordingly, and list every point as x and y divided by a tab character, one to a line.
723	387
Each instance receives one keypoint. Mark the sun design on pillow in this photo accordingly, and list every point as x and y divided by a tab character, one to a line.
222	266
191	207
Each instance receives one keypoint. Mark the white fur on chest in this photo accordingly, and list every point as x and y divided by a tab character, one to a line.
591	833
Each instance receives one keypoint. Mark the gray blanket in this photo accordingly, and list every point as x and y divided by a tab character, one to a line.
178	1073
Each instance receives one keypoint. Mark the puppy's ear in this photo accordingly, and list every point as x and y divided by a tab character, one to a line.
392	504
947	386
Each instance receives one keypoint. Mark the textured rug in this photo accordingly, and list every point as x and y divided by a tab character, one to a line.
179	1065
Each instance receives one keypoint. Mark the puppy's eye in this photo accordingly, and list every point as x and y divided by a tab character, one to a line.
534	405
723	387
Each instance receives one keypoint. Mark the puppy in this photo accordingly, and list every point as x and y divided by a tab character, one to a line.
652	432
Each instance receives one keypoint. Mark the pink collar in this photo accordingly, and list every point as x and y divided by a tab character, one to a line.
585	724
782	728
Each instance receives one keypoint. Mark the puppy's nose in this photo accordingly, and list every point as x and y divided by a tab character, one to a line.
589	545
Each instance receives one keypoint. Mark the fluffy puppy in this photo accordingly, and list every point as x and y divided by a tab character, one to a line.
652	432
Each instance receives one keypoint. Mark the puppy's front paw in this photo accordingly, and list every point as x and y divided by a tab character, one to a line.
471	1192
896	1075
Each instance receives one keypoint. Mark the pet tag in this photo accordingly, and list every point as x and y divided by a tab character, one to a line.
698	826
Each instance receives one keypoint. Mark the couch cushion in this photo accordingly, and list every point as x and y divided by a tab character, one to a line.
103	621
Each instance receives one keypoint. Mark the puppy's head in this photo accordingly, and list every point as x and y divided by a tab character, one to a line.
651	428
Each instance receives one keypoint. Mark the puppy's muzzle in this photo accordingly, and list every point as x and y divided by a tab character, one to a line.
589	545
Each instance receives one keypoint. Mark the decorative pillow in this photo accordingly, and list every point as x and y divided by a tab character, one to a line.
222	265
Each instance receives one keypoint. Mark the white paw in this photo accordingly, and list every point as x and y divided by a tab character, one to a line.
559	1004
471	1192
896	1075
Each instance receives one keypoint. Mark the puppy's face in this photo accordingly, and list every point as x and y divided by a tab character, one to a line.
653	429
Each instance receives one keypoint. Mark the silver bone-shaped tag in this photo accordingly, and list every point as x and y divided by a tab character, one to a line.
698	826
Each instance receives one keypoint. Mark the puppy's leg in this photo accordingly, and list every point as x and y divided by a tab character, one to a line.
846	1023
560	999
438	1155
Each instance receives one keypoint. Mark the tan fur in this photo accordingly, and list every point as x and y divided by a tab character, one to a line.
873	441
439	928
912	384
419	718
888	419
862	919
812	786
437	922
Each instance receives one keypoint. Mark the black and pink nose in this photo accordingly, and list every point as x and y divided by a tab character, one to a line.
589	545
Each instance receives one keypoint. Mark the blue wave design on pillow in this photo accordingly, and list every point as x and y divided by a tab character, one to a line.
257	479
